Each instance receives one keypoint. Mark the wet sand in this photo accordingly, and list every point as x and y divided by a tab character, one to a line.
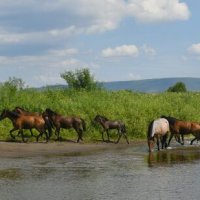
13	149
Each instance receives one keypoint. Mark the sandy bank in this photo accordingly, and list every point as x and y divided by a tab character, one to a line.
12	149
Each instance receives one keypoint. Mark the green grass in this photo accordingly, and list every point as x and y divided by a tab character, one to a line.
135	109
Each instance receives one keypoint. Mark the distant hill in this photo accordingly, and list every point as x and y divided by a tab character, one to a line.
153	85
147	85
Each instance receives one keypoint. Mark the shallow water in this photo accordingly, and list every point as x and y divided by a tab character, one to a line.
124	173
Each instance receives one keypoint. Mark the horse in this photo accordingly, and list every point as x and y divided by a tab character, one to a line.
159	129
22	111
108	124
21	122
66	122
179	127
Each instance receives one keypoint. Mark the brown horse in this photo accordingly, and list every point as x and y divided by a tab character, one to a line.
66	122
179	127
108	124
159	129
21	122
48	126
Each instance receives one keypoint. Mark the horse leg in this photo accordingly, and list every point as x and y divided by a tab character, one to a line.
158	143
47	136
163	141
103	136
171	136
182	136
126	138
80	135
40	134
22	134
79	132
32	133
123	131
120	135
193	140
12	136
57	132
108	135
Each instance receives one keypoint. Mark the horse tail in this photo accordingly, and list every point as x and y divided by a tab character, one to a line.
49	125
150	127
83	124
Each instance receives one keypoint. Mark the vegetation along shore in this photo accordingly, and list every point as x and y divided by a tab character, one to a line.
135	109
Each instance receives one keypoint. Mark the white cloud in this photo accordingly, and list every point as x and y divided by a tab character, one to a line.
132	76
124	50
79	17
158	10
63	52
194	49
148	50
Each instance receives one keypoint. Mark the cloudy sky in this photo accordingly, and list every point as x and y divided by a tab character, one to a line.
115	39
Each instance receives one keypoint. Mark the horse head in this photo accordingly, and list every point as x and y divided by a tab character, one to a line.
150	138
100	119
150	142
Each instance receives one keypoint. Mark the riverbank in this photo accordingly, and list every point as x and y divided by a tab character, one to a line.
13	149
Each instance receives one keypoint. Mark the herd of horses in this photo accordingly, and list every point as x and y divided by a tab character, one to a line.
48	120
158	130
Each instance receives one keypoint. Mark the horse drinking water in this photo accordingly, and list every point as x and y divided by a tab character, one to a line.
159	129
108	124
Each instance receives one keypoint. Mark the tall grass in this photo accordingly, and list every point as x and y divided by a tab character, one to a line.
133	108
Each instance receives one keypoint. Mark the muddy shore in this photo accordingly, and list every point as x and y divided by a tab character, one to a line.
13	149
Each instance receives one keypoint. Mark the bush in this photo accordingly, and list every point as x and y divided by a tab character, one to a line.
178	87
80	79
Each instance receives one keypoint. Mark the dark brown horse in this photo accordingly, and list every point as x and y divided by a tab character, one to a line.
48	123
179	127
21	122
108	124
66	122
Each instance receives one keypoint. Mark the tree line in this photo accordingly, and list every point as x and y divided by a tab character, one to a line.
80	79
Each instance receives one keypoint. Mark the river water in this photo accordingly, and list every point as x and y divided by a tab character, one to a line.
119	174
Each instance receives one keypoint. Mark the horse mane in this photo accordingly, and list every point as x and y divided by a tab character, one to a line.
49	111
13	113
17	107
170	119
150	127
104	118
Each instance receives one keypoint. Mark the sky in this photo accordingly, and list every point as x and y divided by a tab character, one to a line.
117	40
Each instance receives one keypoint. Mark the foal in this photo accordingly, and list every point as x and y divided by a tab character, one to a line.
108	124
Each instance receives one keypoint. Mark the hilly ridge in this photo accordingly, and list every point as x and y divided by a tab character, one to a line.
153	85
146	85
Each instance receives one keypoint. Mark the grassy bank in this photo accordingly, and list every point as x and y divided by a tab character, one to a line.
135	109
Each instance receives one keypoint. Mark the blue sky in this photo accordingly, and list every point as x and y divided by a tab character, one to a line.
116	39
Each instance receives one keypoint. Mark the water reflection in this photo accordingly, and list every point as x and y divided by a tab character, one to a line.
175	156
11	173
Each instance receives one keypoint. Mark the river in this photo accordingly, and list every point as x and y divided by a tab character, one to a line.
119	174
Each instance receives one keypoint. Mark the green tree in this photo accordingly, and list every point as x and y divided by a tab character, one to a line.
9	89
80	79
178	87
14	84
